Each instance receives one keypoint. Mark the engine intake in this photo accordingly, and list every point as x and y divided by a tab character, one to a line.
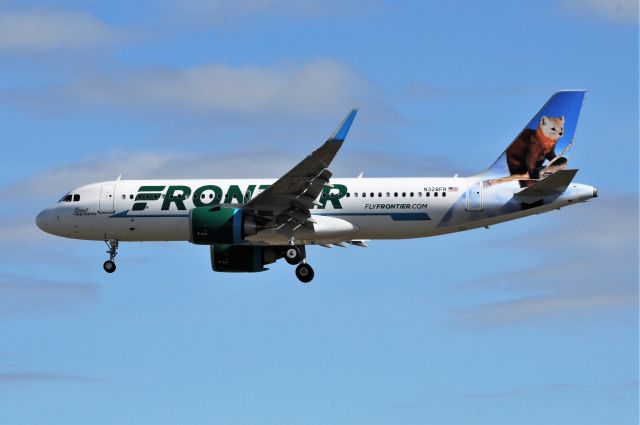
219	225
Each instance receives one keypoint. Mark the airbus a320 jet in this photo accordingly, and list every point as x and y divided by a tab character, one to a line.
250	223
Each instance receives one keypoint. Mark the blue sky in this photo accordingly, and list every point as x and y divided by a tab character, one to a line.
533	321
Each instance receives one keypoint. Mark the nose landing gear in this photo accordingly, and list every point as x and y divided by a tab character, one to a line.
109	266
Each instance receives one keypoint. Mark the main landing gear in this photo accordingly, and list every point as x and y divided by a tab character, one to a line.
304	272
109	266
294	254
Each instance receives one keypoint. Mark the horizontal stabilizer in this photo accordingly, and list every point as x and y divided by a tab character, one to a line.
555	184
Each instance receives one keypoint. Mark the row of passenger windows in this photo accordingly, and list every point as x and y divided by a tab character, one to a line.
387	194
155	196
70	198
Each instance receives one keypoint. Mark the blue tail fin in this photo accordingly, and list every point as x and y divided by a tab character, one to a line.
547	135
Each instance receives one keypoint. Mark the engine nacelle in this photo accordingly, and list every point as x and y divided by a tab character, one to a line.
219	225
243	258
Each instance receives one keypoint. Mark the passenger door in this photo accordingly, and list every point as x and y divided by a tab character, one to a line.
107	198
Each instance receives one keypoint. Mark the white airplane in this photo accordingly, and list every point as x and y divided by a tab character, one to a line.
250	223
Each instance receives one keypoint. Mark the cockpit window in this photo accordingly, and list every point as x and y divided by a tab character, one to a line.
76	197
66	198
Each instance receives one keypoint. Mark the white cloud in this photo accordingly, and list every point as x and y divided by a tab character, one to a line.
239	164
22	295
585	265
320	86
42	30
613	10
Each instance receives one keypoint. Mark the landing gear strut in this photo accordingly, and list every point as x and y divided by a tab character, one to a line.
294	254
109	266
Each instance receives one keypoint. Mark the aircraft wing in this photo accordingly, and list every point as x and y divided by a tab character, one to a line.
289	200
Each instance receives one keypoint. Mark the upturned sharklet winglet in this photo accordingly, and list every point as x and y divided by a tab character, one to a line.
555	184
341	132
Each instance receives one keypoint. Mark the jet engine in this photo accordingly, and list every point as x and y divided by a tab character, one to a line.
219	225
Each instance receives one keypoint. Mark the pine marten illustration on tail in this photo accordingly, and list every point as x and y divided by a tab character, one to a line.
528	152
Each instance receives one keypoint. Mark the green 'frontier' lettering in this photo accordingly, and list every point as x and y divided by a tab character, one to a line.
176	195
197	195
333	195
234	192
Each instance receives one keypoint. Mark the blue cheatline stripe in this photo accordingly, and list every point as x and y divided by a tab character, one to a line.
394	216
410	216
237	225
124	214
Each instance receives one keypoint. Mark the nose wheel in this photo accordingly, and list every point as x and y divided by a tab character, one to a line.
109	266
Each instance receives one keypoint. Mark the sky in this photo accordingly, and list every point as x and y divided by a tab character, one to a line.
532	321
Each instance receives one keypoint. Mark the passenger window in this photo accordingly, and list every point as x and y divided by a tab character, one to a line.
130	196
419	194
435	193
395	194
372	194
364	194
348	194
411	194
379	194
388	194
404	194
444	194
428	194
355	194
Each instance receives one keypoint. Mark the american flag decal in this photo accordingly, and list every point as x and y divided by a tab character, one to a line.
453	189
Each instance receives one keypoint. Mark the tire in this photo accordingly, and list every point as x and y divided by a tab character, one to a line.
304	273
292	255
109	266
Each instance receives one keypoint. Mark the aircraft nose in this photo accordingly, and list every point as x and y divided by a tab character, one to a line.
42	220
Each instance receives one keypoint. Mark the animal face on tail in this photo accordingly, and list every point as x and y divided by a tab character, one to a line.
528	152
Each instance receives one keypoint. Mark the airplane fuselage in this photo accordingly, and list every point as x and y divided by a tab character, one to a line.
355	208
